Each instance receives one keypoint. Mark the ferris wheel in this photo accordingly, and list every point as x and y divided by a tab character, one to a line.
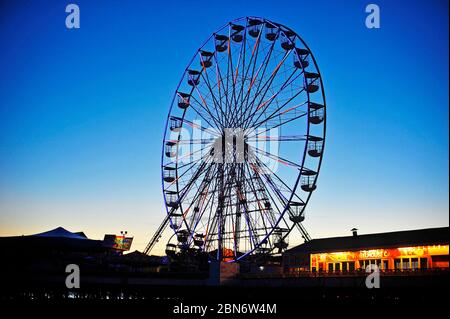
243	142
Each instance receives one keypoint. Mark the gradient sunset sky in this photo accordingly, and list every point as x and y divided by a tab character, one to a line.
82	112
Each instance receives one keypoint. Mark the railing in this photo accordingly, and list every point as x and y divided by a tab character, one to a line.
355	273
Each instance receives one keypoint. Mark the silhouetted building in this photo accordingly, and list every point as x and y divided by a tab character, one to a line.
411	250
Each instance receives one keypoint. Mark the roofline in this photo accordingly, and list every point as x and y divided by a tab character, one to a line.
297	250
389	232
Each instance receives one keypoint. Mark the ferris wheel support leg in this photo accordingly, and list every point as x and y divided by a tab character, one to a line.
304	233
157	235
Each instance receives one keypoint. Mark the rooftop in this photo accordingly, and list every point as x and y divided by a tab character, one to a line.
419	237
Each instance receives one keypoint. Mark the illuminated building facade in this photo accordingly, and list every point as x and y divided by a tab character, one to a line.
414	250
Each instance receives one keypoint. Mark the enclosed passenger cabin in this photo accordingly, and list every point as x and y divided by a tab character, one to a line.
169	174
176	220
171	250
316	114
312	82
296	212
206	59
199	240
254	27
172	199
315	146
171	148
288	40
301	58
280	239
263	251
271	31
183	236
308	181
175	124
193	77
236	34
221	42
183	100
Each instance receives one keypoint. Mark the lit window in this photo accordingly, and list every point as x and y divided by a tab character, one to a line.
414	263
351	266
406	263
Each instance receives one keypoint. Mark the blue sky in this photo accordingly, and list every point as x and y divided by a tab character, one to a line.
82	112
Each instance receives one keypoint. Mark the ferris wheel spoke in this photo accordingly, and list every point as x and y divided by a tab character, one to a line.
198	126
199	194
202	141
217	105
280	109
269	191
235	98
243	79
275	201
211	217
286	187
179	159
250	225
220	88
258	199
280	124
263	66
242	72
282	199
263	106
275	189
250	98
187	173
205	107
188	186
278	200
234	76
228	104
253	58
177	179
208	204
252	66
184	190
229	67
201	114
201	205
266	86
277	158
281	138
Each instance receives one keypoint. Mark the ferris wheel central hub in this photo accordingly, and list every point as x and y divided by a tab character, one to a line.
230	147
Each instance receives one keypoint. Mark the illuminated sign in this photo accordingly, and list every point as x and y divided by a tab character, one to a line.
417	251
411	251
373	253
323	260
117	242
